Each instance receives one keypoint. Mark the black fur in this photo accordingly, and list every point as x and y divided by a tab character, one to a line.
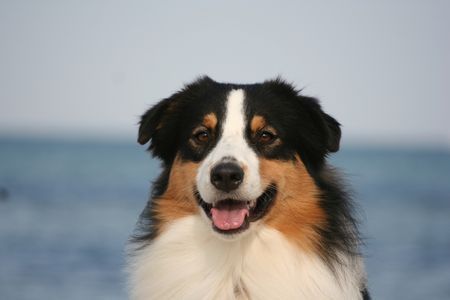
366	295
302	126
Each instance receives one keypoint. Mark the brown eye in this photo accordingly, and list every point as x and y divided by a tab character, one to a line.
266	137
202	136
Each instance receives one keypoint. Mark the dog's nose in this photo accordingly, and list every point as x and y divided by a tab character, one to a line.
227	176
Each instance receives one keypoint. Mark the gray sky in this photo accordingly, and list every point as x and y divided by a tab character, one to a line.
90	68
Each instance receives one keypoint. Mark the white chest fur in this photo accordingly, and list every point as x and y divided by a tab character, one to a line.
188	261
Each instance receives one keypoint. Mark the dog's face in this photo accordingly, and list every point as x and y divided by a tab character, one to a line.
237	154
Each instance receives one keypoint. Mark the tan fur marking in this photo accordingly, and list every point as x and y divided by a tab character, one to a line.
257	123
210	121
296	211
178	201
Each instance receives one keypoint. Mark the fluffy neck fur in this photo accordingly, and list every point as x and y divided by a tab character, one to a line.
189	261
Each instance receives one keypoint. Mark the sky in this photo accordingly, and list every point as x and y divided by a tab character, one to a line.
91	68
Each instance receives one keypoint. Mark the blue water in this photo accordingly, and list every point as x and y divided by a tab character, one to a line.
67	209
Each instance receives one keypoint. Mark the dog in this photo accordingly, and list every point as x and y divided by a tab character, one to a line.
246	206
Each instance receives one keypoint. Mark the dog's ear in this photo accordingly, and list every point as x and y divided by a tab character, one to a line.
334	132
328	128
159	125
151	121
324	130
320	133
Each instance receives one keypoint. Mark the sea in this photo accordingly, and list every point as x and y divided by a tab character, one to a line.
68	207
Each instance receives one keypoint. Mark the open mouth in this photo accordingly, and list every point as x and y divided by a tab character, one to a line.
230	216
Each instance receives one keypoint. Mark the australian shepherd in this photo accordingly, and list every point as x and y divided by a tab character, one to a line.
246	206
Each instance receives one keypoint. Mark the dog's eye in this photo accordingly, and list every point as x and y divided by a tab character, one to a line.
266	137
202	136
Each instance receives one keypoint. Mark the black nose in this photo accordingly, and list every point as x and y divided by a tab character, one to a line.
227	176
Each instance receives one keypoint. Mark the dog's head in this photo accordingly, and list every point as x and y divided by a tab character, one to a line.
237	150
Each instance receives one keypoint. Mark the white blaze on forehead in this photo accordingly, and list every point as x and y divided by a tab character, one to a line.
232	144
234	124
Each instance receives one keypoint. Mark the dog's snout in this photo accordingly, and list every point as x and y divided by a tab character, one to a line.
227	176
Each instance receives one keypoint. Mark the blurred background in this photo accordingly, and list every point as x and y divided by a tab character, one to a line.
76	75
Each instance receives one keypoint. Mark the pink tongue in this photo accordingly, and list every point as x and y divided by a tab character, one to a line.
227	219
